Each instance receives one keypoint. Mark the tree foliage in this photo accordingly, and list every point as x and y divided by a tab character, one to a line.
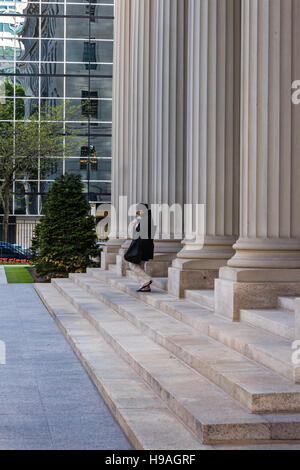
65	239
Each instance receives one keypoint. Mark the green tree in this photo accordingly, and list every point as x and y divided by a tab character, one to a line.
65	238
28	143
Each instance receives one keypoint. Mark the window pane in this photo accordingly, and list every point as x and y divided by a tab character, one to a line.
77	24
99	192
53	27
102	29
52	86
28	85
77	166
7	87
7	49
75	85
100	51
52	51
26	198
26	108
28	26
7	67
102	146
27	50
51	168
52	109
100	169
103	87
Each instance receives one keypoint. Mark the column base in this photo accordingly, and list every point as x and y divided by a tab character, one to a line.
297	320
165	252
121	264
243	288
191	274
110	251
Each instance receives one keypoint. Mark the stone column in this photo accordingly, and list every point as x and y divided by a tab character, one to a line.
168	129
297	320
267	259
156	146
121	125
212	173
140	108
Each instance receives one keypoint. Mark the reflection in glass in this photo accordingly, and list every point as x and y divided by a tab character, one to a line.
59	69
100	169
26	198
98	192
29	83
53	27
52	50
27	49
32	175
102	145
77	166
53	169
7	67
52	86
89	51
7	48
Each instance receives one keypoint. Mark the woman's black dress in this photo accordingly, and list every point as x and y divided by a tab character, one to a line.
142	247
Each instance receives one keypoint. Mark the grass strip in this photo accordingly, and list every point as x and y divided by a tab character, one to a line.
18	275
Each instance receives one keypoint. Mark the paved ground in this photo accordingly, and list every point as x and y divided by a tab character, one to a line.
47	401
3	279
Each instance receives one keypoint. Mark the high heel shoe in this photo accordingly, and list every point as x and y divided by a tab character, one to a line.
146	288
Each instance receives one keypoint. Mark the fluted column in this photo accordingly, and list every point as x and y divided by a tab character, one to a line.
269	245
120	129
212	174
168	129
140	108
270	221
141	105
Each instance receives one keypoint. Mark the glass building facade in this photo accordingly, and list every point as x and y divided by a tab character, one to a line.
61	55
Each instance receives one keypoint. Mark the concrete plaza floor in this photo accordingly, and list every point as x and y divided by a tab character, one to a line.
47	400
3	279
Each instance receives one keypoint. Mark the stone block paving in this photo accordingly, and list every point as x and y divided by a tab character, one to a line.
3	279
47	400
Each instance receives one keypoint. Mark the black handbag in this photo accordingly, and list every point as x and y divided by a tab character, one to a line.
134	252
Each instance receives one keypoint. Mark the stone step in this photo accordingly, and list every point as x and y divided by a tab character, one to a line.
205	298
267	349
112	268
280	322
160	282
145	419
287	303
255	387
206	410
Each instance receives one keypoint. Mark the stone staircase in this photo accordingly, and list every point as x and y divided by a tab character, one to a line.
279	321
204	298
176	375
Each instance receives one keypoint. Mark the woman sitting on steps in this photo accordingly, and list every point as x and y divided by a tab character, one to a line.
141	249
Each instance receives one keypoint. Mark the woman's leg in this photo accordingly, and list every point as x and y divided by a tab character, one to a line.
146	278
138	270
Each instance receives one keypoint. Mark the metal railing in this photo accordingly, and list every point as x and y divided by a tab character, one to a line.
20	233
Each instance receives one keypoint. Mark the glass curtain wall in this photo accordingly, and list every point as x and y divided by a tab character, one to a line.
60	55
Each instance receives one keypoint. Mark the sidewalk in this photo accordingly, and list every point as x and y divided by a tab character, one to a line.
3	279
47	400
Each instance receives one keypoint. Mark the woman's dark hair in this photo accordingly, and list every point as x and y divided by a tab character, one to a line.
142	205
